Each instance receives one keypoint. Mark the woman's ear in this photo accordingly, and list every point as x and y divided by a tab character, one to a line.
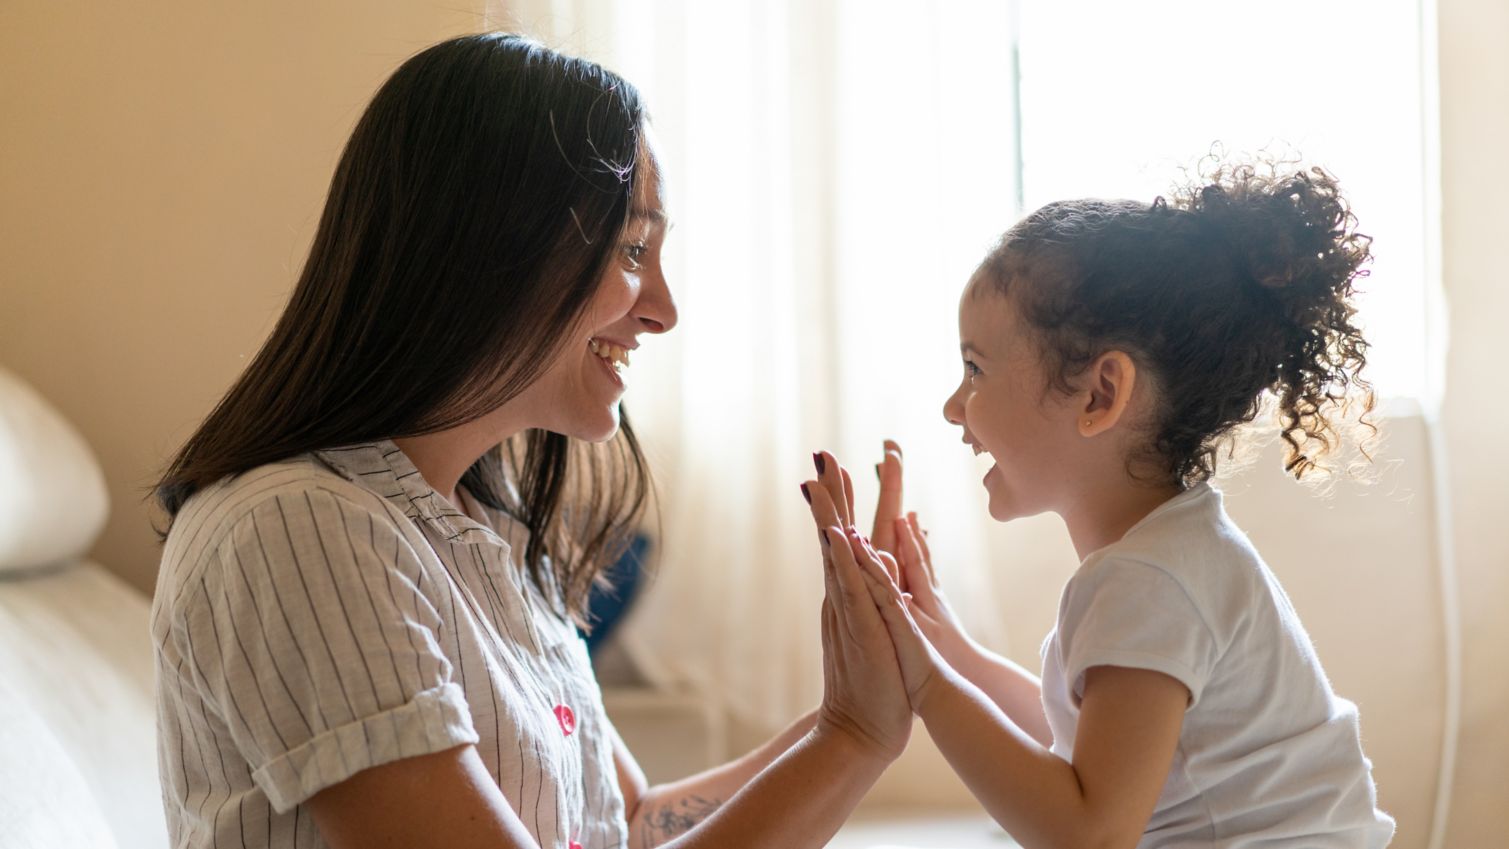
1108	391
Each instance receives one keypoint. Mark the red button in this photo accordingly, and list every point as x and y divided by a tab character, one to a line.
567	719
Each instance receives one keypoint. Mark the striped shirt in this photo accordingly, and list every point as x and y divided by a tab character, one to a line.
330	613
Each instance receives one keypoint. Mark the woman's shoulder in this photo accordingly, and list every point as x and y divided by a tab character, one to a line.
212	514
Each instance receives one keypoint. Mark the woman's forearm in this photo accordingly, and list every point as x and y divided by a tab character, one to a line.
798	801
668	810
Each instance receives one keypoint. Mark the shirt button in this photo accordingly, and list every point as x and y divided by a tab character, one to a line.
567	719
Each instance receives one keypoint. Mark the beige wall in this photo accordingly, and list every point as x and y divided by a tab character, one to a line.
162	165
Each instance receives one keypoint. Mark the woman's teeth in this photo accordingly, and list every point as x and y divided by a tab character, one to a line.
617	356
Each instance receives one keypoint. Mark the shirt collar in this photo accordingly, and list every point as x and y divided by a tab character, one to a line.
383	468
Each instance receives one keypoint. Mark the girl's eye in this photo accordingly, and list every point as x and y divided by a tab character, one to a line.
970	368
634	254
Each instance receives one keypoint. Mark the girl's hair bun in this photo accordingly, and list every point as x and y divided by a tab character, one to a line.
1290	232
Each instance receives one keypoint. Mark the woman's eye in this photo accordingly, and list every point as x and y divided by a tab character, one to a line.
634	253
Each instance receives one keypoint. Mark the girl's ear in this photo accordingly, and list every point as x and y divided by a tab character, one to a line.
1109	383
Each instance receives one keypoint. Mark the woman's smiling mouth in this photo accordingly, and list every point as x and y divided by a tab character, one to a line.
616	356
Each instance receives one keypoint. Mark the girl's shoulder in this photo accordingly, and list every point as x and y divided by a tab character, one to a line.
1193	543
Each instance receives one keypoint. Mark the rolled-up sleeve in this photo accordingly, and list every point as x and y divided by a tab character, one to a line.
311	631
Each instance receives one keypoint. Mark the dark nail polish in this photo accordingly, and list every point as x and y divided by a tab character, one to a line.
817	460
805	494
877	471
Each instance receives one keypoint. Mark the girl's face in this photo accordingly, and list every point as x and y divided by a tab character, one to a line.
578	396
1006	408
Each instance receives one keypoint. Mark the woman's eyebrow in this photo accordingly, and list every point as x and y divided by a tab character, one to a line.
967	348
656	215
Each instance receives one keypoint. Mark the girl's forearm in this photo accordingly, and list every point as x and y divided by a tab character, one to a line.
1032	793
667	810
1017	692
798	801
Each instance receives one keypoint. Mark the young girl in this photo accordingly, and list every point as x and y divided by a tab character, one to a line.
1109	347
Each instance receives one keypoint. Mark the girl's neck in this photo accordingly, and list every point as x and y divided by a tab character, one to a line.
1102	514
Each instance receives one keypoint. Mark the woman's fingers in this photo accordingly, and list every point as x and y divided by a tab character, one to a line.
825	511
853	602
831	476
883	592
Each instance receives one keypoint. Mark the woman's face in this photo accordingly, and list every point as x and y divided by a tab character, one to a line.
578	396
1004	409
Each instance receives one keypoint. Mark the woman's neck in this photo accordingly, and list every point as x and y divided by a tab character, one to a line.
444	456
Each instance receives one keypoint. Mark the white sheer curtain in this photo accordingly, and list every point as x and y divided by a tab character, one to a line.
835	170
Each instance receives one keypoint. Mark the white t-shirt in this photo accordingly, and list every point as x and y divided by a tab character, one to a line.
330	613
1268	755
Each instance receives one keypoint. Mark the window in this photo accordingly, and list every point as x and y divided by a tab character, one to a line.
1117	97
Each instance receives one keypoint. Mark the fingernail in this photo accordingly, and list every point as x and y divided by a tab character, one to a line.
805	494
817	460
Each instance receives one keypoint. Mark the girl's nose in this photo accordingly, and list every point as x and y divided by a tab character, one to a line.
953	408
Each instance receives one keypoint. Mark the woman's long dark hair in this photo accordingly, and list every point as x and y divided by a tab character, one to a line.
472	215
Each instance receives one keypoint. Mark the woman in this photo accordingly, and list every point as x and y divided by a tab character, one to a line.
381	534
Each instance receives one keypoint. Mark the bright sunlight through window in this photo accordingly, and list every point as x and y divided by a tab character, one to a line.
1117	97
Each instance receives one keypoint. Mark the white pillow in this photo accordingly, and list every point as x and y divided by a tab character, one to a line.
53	502
44	801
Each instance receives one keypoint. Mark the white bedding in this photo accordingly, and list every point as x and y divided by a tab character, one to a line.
74	649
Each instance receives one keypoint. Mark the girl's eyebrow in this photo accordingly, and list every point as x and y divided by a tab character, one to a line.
968	348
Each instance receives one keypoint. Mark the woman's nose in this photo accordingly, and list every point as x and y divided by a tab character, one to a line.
656	309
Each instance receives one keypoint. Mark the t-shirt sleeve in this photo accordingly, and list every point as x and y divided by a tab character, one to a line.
311	632
1130	614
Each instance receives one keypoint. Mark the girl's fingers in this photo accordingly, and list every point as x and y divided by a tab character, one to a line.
921	537
888	505
909	555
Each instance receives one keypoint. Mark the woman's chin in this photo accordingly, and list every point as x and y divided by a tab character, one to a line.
601	429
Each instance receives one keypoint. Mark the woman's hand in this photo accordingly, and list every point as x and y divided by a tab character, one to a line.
864	695
850	560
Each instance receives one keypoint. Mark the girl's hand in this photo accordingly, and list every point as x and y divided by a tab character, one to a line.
888	505
905	540
864	695
926	601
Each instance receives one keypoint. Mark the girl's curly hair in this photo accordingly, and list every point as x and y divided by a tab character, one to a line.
1240	283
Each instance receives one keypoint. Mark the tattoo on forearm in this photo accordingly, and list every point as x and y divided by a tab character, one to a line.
676	817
